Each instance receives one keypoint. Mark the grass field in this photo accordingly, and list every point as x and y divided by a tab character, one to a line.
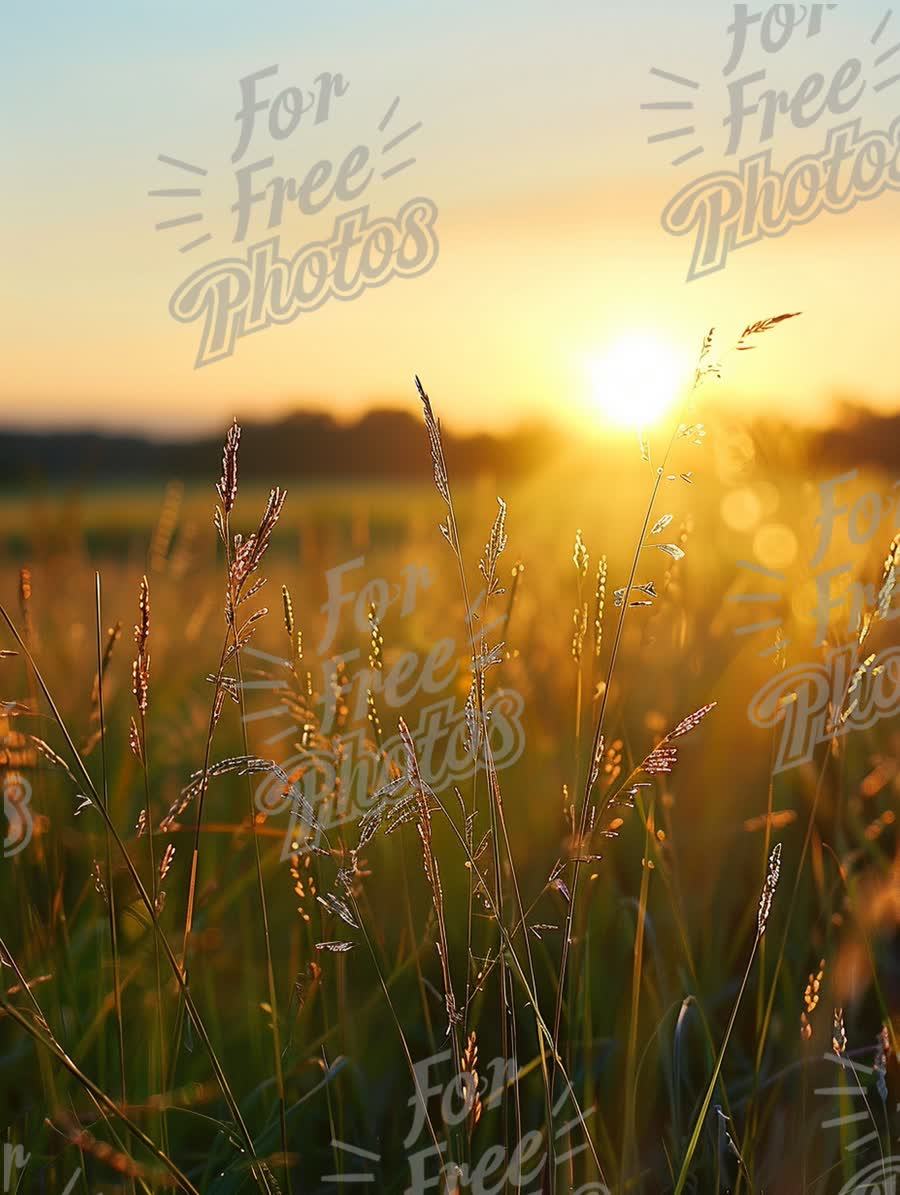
295	978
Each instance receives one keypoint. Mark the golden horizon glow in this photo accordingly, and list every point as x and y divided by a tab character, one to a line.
546	255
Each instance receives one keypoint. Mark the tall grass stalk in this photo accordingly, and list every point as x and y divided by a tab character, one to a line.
110	895
450	531
263	908
765	907
196	1019
628	1143
106	1104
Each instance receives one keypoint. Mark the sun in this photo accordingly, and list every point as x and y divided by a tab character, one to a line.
635	381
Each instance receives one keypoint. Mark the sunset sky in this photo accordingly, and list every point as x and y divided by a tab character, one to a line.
534	148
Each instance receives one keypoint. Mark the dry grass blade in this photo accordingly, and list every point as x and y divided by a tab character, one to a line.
93	738
433	427
141	666
495	546
422	795
228	485
885	592
768	892
686	725
763	325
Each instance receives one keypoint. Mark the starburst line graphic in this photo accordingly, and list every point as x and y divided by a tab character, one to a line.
179	220
270	685
751	628
395	141
357	1177
181	193
674	106
685	132
386	119
677	80
575	1122
167	161
654	70
365	1177
851	1118
196	217
767	624
886	83
887	54
882	58
882	26
176	192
